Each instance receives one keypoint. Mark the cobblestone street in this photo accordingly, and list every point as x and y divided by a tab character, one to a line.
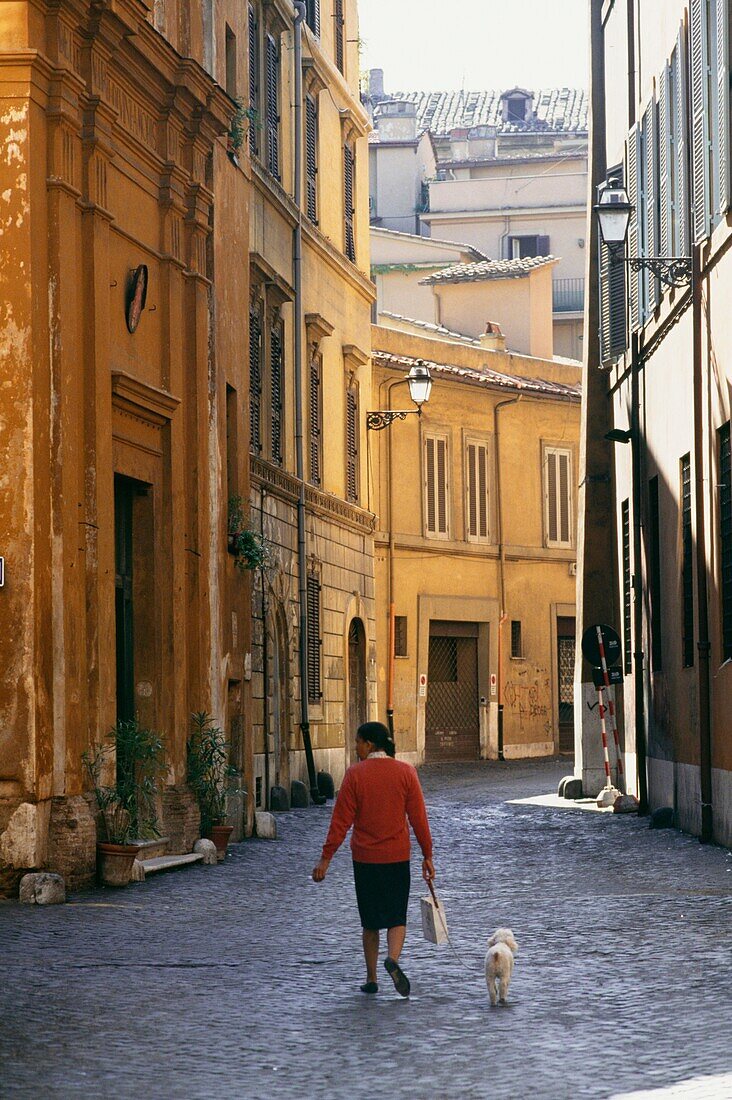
242	980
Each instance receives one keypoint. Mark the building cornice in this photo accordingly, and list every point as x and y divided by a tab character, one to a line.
287	487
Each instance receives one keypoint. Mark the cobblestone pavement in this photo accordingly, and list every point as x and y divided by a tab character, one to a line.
242	980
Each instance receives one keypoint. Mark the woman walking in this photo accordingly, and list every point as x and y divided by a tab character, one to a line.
377	797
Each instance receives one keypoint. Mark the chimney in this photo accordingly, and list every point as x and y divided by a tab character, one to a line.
376	85
482	141
396	120
492	339
459	147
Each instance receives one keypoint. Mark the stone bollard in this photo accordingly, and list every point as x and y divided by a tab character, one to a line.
326	786
563	784
138	872
279	800
42	888
208	848
625	804
662	818
265	825
572	788
299	796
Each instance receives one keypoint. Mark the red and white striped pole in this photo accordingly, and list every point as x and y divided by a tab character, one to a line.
608	781
611	707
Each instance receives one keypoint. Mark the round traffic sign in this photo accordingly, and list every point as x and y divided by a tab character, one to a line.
591	645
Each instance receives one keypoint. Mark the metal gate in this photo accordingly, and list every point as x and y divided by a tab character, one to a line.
452	722
565	677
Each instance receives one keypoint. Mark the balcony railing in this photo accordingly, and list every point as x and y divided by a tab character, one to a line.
568	295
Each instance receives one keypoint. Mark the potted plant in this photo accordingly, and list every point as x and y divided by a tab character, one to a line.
127	809
208	772
249	548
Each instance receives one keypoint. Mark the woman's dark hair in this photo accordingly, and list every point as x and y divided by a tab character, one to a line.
377	734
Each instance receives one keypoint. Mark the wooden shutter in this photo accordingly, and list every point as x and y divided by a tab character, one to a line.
477	491
436	485
682	214
314	641
273	107
720	9
255	379
665	162
311	158
314	408
633	163
348	209
650	194
699	46
558	496
312	15
352	471
340	36
253	82
276	390
542	246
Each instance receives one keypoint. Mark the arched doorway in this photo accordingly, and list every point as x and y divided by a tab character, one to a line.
357	695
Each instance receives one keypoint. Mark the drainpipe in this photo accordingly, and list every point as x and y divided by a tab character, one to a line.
316	797
265	661
501	563
703	644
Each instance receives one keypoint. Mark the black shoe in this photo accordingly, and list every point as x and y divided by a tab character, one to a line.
400	979
369	987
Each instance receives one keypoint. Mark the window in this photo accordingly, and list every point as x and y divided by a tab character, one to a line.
517	649
558	518
272	59
654	575
232	449
349	174
315	417
436	486
340	35
400	636
314	641
627	592
312	15
311	158
725	536
612	297
276	388
672	143
477	490
516	108
642	164
352	465
687	566
709	46
254	104
231	86
255	377
521	247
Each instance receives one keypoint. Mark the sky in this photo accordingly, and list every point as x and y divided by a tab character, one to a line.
428	45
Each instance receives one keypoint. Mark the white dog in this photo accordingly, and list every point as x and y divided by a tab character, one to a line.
499	964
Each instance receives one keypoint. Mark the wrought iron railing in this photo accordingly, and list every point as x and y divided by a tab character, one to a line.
568	295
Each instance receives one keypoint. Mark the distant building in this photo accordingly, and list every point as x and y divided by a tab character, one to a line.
504	172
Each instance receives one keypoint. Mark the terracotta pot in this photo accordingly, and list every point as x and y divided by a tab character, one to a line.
220	836
114	863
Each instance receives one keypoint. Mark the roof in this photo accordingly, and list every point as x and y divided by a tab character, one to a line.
488	269
578	152
457	246
558	110
429	326
485	377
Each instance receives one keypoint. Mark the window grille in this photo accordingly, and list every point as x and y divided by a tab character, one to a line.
558	496
400	636
516	642
314	640
627	592
436	486
687	565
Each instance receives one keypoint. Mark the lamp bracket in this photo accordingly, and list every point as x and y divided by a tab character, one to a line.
671	270
377	421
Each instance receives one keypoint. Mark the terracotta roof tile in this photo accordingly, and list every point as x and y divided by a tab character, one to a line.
485	377
488	269
559	110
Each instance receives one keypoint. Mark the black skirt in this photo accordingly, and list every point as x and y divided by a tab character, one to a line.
382	893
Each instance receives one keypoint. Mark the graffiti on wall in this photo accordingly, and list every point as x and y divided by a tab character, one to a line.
527	695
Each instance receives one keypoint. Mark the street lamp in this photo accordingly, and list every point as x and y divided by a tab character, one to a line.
419	381
613	212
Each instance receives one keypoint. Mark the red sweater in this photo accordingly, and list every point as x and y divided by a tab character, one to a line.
376	797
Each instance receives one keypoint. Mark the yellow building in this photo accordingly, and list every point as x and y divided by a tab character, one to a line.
475	547
118	389
309	345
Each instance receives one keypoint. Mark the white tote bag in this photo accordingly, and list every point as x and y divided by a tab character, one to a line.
434	922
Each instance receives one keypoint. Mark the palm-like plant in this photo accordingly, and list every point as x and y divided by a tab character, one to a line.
129	808
209	769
